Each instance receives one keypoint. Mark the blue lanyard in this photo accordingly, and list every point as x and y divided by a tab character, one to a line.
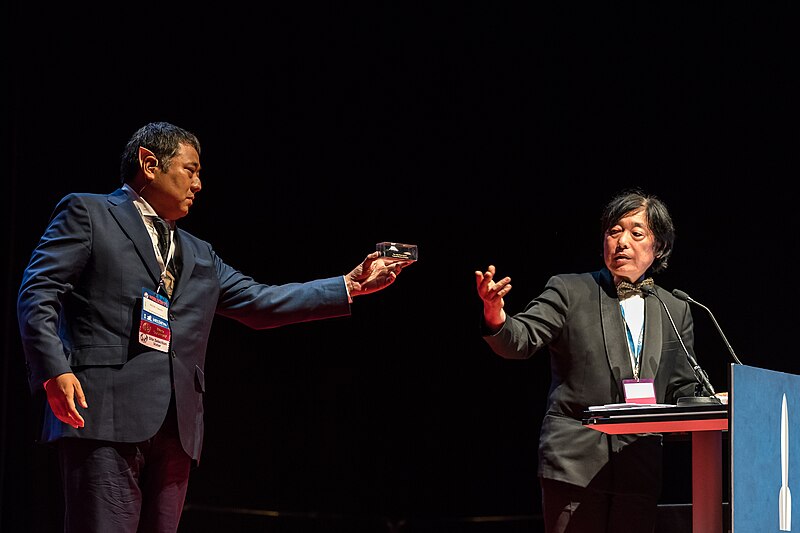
635	348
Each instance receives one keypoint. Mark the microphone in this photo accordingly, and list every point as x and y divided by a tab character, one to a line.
679	294
700	374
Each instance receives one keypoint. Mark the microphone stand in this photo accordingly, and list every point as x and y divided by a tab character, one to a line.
686	298
700	374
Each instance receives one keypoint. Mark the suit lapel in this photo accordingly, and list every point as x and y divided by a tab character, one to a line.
653	338
186	259
129	219
614	336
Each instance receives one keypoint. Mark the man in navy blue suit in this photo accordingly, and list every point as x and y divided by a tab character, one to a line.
115	309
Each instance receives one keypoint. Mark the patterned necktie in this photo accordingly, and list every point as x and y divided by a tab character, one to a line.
163	236
169	276
625	289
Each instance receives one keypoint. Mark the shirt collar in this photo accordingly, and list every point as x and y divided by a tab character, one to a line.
145	209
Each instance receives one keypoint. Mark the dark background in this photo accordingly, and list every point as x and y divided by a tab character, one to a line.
486	133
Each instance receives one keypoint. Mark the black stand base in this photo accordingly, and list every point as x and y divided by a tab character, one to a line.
699	400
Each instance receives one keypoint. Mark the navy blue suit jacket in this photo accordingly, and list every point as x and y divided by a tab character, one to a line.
79	308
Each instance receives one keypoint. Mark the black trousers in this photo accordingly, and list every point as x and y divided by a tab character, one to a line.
568	508
125	487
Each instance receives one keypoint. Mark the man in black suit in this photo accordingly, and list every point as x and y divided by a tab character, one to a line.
605	347
115	309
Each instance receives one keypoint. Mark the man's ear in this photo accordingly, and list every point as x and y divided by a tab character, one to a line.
148	162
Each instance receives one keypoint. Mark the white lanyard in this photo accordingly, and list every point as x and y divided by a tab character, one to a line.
161	263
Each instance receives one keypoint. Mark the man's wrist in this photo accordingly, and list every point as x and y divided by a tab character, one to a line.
348	287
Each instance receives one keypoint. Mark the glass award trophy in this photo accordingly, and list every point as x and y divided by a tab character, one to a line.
397	251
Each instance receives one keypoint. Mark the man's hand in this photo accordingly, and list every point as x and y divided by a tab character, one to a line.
373	274
62	393
492	293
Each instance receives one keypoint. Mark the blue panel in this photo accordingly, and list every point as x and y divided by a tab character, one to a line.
755	431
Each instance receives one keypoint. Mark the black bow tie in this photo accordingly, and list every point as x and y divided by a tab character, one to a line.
625	289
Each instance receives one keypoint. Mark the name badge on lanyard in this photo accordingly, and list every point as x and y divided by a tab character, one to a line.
639	391
154	331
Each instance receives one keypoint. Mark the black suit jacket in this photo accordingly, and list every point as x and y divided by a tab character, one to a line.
79	308
578	318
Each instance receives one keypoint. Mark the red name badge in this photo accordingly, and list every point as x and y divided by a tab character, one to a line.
639	390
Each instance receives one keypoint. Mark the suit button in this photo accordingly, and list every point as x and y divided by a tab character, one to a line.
171	317
173	354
